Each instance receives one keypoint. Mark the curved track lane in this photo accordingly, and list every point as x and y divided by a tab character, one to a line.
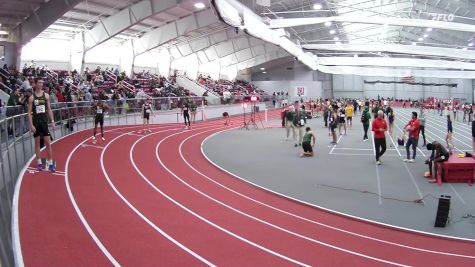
154	199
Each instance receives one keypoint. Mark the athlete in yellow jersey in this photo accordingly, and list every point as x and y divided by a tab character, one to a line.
349	114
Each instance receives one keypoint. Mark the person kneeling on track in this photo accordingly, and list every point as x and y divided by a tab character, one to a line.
308	143
439	155
227	120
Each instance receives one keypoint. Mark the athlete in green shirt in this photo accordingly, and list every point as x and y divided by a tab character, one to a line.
38	111
308	143
193	108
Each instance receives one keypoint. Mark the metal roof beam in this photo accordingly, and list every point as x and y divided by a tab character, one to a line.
423	23
43	17
108	27
171	31
396	48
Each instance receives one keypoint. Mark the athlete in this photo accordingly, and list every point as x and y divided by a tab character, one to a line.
146	111
227	120
99	108
185	111
39	109
308	143
349	110
193	108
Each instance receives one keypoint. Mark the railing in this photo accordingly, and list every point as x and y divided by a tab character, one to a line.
5	88
111	76
4	73
17	143
52	74
127	86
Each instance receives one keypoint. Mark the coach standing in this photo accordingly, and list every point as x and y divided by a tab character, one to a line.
413	129
379	127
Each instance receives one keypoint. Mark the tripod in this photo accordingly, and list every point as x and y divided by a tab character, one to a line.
252	120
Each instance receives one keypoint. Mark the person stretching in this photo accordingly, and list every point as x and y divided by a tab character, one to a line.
308	143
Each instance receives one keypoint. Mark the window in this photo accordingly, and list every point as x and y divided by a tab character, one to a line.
2	52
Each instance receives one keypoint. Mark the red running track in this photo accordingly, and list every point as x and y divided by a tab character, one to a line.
155	200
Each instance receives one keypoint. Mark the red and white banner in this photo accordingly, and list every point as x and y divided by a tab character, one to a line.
300	91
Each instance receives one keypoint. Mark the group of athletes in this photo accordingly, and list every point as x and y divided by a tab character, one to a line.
339	114
40	115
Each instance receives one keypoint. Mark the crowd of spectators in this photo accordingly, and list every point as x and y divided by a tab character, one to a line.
65	86
225	87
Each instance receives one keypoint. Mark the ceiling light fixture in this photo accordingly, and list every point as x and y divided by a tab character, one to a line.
328	24
420	39
264	72
336	38
338	43
263	68
464	48
414	43
426	35
429	29
199	5
470	44
332	31
317	6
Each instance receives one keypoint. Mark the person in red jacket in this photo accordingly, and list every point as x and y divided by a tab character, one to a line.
413	128
379	127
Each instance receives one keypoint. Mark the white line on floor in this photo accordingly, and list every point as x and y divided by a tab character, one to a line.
360	154
338	141
359	149
378	180
457	194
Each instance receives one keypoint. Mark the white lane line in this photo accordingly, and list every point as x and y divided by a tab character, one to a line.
378	179
95	146
289	213
456	125
202	218
360	154
400	129
457	194
18	255
337	142
260	220
442	138
419	192
444	126
345	215
453	189
133	208
361	149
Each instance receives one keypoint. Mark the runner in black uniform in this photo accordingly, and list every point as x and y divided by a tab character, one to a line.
185	110
38	111
99	108
146	110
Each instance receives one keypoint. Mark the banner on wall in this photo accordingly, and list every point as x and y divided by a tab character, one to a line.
412	83
300	91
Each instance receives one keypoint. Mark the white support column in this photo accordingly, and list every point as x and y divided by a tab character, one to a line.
127	57
78	53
